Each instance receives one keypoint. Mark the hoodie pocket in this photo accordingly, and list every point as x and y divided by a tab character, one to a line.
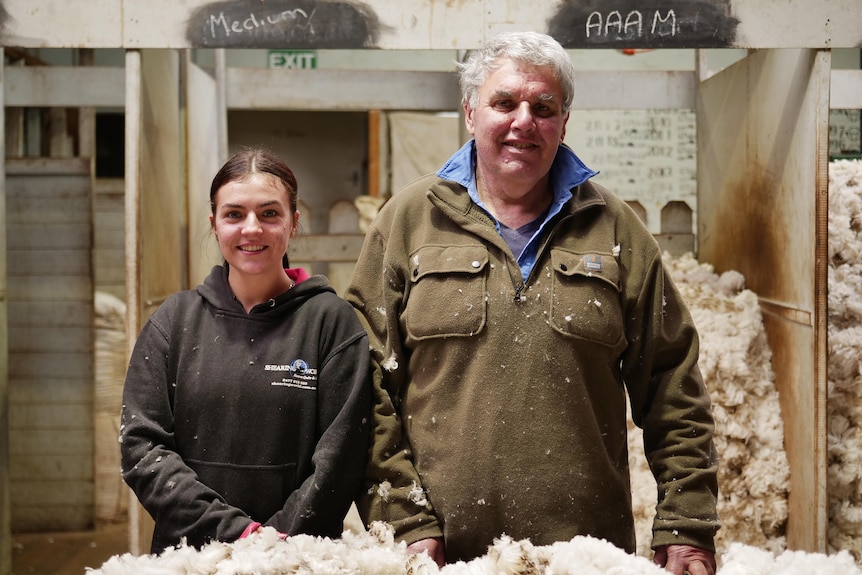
259	490
585	302
447	291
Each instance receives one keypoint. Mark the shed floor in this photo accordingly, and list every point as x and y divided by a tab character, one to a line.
67	553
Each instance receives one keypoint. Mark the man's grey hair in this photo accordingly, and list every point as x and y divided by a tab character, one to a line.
532	48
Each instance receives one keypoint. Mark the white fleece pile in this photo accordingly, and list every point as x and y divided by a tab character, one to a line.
375	553
735	360
844	436
745	560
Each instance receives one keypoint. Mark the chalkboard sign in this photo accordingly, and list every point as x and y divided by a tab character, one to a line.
304	24
644	24
644	155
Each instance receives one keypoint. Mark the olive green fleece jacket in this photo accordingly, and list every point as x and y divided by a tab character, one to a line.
497	413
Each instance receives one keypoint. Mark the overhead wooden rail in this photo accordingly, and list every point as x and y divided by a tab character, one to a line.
426	25
176	112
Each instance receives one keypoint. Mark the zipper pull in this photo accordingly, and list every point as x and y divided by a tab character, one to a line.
518	290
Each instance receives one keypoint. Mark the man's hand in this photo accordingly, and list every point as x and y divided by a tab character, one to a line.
681	559
434	548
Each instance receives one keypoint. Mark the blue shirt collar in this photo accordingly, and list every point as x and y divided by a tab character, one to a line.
567	172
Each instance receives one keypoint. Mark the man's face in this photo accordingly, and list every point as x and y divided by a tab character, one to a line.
518	124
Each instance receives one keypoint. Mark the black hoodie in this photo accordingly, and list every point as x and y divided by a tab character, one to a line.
230	418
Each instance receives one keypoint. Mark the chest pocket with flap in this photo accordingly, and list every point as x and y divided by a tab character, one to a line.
585	300
447	291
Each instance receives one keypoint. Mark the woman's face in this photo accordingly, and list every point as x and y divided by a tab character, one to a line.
253	223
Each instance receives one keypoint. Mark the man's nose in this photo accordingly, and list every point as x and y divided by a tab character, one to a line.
524	118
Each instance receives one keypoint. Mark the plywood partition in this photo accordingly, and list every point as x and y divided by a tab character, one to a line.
155	205
762	210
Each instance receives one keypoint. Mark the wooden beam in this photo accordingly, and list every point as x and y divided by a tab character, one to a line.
65	86
278	89
340	90
374	153
427	25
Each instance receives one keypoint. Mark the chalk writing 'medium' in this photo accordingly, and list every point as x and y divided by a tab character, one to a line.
255	22
632	25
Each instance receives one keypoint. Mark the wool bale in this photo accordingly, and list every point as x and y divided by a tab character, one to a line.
735	360
844	344
376	553
111	494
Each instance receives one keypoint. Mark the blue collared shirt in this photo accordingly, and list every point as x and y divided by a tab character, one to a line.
567	172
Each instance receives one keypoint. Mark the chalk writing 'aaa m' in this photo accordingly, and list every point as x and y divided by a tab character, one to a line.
634	21
254	22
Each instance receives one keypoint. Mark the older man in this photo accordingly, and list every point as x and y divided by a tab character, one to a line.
511	304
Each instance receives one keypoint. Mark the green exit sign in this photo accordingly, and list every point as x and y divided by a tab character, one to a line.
292	59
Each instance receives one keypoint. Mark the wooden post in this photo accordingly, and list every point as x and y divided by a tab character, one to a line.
374	153
5	513
155	207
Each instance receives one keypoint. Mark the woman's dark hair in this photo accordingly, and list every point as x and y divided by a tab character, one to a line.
250	161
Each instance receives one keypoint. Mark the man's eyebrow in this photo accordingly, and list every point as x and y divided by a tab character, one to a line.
506	95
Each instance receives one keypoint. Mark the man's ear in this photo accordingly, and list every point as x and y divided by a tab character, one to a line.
468	117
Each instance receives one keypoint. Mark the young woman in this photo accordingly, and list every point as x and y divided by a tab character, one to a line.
246	399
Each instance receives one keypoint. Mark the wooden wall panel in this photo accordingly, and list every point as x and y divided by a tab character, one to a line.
50	343
37	289
762	182
59	390
35	338
50	261
62	314
48	443
53	468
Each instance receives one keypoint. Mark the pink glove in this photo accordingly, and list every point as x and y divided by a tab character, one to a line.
251	528
254	527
